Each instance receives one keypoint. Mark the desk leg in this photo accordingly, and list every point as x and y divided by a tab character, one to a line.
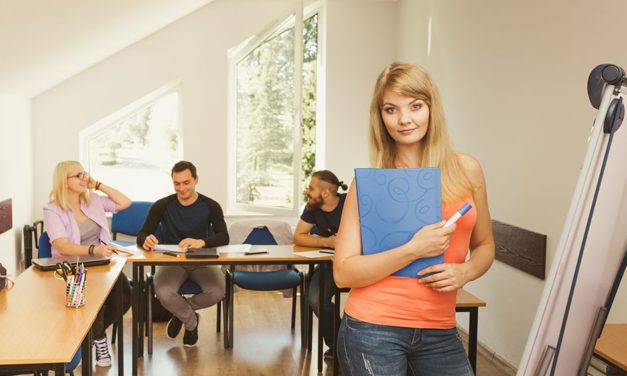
304	311
226	308
472	338
336	328
231	307
59	369
309	314
135	314
86	355
120	333
323	272
142	312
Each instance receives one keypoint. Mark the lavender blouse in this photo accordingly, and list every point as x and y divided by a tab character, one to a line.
61	223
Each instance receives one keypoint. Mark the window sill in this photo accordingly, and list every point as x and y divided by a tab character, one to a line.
243	213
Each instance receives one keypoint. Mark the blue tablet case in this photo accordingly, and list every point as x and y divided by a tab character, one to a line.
394	203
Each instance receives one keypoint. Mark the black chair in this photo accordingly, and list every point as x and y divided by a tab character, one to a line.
30	234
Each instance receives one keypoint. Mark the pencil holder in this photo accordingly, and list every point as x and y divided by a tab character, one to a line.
75	290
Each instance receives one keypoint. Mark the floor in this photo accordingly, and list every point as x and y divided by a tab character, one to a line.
263	345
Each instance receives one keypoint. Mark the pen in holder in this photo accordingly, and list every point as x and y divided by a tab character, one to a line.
75	288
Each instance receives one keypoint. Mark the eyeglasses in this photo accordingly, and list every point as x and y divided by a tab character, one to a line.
80	175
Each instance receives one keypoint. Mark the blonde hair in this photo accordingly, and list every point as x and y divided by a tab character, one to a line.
411	80
59	192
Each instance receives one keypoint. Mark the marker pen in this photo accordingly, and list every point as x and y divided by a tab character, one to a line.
458	214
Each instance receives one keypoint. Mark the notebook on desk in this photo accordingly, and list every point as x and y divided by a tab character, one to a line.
394	203
202	253
50	263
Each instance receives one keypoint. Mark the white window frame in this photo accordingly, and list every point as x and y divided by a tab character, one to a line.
293	18
101	125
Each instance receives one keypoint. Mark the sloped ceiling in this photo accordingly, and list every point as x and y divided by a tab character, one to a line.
45	42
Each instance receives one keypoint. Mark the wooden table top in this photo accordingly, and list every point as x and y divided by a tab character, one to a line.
612	345
280	253
276	253
466	299
36	325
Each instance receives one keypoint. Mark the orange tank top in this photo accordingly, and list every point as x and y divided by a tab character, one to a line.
402	301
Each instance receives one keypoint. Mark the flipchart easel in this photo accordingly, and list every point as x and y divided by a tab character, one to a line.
591	254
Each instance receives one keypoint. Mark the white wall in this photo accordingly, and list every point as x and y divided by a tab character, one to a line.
194	51
17	176
513	79
512	76
360	44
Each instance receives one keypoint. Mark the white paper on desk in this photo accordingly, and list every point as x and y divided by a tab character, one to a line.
169	248
312	254
127	249
234	248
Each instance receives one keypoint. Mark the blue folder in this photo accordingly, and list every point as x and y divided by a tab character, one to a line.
394	203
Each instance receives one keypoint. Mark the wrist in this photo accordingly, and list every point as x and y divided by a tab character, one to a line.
409	252
90	250
412	248
467	273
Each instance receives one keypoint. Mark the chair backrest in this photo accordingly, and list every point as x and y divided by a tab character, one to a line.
31	236
45	249
28	233
260	236
280	232
130	220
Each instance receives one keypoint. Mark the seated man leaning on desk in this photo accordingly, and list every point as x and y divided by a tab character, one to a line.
186	219
324	210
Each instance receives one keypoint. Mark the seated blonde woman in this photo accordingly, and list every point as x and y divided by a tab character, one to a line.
76	223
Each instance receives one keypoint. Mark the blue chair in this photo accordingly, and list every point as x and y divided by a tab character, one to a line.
130	221
189	287
43	245
44	251
290	278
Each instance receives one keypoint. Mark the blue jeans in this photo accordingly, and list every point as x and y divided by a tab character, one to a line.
328	308
370	349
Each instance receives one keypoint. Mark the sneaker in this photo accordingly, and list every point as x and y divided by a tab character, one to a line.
191	336
174	327
329	354
103	358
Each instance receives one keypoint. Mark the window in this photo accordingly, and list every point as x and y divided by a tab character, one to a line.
135	148
273	157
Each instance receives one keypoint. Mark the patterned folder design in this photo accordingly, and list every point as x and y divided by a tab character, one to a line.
395	203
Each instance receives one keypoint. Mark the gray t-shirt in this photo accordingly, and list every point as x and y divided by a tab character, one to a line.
90	232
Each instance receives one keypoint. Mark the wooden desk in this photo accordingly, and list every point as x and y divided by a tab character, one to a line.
467	302
278	255
612	345
39	331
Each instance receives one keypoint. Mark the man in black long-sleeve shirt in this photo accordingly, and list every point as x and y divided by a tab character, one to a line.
190	220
